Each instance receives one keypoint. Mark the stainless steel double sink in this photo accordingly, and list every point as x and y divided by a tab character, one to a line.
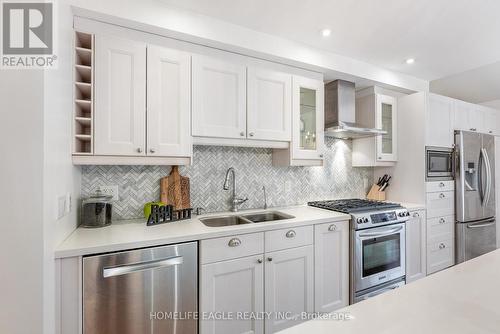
256	217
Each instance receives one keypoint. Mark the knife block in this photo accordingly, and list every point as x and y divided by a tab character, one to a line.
375	194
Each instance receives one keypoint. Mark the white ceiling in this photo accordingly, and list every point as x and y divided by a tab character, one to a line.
444	36
477	86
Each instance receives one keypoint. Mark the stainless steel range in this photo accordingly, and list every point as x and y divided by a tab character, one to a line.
377	245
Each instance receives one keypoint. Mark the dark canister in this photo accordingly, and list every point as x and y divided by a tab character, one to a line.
96	210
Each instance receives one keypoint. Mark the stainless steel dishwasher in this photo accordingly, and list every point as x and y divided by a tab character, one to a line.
144	291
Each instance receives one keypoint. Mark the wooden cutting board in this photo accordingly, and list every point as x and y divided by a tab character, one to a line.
174	190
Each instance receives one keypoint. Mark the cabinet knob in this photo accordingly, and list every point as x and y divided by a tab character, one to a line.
139	150
290	234
442	221
321	155
269	259
242	134
234	242
442	246
332	228
251	134
441	184
379	158
259	260
442	195
152	150
416	214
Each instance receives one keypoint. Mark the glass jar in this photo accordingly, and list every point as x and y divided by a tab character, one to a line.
96	210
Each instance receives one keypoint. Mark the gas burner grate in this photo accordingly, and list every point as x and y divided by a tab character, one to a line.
353	205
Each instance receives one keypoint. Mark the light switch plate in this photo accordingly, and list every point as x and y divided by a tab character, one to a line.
61	207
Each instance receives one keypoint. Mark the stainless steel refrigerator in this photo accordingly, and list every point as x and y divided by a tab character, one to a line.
475	194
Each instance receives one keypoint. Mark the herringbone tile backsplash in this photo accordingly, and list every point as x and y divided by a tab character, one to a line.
284	185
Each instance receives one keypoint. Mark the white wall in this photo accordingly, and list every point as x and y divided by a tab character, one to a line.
60	176
21	205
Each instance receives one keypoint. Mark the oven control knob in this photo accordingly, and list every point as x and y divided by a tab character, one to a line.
360	220
365	220
407	213
401	214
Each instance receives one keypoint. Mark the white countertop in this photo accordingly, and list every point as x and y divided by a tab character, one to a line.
128	234
462	299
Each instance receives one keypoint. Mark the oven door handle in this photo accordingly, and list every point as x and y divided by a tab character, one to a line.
381	233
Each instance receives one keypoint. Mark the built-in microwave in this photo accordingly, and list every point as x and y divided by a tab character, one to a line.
439	163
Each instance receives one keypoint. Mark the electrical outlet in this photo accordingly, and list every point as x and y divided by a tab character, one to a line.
111	191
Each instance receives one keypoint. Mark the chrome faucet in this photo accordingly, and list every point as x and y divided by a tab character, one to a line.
235	201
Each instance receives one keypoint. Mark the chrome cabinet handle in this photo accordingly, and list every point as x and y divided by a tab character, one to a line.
442	221
332	228
259	260
234	242
290	234
441	184
442	246
441	195
416	214
139	150
242	133
269	259
127	269
251	134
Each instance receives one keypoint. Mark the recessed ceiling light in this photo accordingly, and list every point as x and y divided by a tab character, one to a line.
326	32
410	61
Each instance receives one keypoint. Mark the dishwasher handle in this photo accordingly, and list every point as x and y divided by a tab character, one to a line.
127	269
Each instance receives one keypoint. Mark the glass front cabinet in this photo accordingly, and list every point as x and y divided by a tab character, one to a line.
386	120
375	110
306	147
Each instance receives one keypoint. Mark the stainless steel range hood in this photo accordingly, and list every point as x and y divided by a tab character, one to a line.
340	112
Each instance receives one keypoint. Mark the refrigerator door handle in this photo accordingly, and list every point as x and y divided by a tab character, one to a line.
488	176
480	176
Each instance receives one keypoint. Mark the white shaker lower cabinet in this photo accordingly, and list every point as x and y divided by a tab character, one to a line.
120	86
219	98
331	272
416	246
232	286
169	102
289	287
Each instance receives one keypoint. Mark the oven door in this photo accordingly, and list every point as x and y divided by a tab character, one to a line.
379	255
439	164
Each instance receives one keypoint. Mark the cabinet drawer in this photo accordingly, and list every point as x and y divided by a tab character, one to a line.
440	204
440	255
438	186
440	228
289	238
220	249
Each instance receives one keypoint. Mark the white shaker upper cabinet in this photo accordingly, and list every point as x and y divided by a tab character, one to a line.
491	118
120	97
467	117
308	118
219	98
440	121
269	105
169	102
